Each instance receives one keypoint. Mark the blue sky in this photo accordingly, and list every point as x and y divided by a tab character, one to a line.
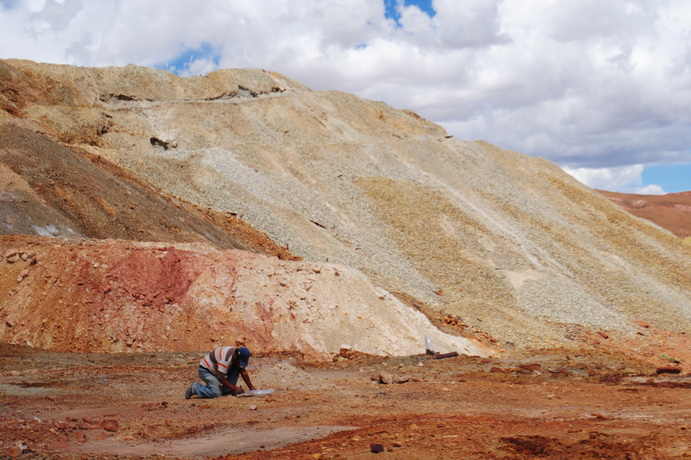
602	89
392	12
677	178
205	51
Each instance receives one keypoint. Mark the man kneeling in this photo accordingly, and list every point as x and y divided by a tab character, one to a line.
220	370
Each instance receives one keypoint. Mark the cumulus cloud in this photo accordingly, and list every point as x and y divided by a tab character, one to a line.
625	179
590	85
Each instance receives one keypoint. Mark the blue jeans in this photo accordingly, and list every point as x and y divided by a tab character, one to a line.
214	388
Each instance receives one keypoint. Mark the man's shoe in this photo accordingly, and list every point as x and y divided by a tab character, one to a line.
189	392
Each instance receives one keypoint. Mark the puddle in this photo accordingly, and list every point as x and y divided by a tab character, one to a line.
229	442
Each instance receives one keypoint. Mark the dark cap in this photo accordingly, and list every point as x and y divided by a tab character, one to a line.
243	356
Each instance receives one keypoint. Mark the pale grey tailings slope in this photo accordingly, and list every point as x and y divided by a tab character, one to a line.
510	244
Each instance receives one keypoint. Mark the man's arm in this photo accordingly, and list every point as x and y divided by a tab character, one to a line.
246	378
222	378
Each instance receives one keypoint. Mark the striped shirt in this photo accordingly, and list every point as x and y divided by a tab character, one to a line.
220	356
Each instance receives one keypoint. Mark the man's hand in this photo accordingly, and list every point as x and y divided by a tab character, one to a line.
239	391
246	378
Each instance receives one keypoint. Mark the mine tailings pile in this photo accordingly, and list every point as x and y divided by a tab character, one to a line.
142	211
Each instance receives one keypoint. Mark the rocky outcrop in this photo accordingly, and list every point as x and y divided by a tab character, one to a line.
510	245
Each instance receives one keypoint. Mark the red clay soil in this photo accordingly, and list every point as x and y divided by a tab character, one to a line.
591	403
671	211
113	295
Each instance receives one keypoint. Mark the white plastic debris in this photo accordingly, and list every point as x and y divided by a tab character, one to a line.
429	348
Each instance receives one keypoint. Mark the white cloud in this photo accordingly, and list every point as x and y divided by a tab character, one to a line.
201	66
468	23
586	84
625	179
651	189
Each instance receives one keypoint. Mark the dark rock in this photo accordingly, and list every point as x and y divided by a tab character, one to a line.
376	448
668	370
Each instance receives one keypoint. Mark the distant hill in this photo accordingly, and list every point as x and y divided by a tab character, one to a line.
419	232
671	211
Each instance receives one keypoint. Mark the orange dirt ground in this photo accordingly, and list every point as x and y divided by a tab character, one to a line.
544	404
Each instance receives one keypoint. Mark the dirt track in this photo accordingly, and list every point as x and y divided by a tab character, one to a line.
548	405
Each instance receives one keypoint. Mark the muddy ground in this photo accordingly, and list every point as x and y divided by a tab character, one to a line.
546	404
